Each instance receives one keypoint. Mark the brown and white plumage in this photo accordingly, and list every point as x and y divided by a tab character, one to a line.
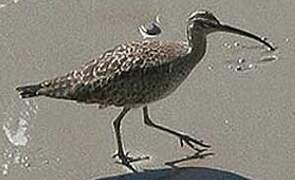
137	73
113	78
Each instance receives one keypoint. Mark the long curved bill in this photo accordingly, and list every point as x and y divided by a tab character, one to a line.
230	29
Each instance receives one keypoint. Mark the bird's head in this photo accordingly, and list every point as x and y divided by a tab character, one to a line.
205	22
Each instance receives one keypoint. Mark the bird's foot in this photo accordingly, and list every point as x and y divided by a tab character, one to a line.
191	142
127	160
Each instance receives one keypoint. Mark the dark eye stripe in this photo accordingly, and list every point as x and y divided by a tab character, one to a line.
205	25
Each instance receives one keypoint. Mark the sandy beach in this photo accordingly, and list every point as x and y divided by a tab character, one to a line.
247	116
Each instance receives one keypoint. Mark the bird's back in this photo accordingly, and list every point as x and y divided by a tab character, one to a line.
117	72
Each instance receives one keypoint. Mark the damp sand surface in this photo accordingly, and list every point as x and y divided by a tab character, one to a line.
239	99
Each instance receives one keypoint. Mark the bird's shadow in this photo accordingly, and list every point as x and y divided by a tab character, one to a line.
183	173
180	173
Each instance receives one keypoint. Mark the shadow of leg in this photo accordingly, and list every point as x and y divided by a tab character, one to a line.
188	158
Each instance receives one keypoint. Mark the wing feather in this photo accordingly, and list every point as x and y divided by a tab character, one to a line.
127	57
131	57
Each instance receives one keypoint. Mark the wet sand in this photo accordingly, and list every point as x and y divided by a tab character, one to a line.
247	116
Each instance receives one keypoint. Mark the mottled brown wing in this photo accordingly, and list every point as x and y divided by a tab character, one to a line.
123	58
131	57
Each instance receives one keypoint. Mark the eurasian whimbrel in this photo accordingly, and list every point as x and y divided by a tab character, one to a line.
134	74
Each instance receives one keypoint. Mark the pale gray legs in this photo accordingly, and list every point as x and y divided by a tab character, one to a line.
191	142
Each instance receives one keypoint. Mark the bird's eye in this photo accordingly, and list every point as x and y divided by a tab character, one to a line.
205	25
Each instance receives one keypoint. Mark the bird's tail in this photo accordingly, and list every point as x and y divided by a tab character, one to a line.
29	91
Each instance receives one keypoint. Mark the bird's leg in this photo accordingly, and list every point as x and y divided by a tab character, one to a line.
191	142
125	159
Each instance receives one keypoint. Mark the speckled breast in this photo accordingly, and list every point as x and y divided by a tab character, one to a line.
144	86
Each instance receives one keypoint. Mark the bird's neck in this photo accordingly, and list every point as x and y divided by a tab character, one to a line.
197	41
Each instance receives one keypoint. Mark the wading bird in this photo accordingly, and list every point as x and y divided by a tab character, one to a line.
137	73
